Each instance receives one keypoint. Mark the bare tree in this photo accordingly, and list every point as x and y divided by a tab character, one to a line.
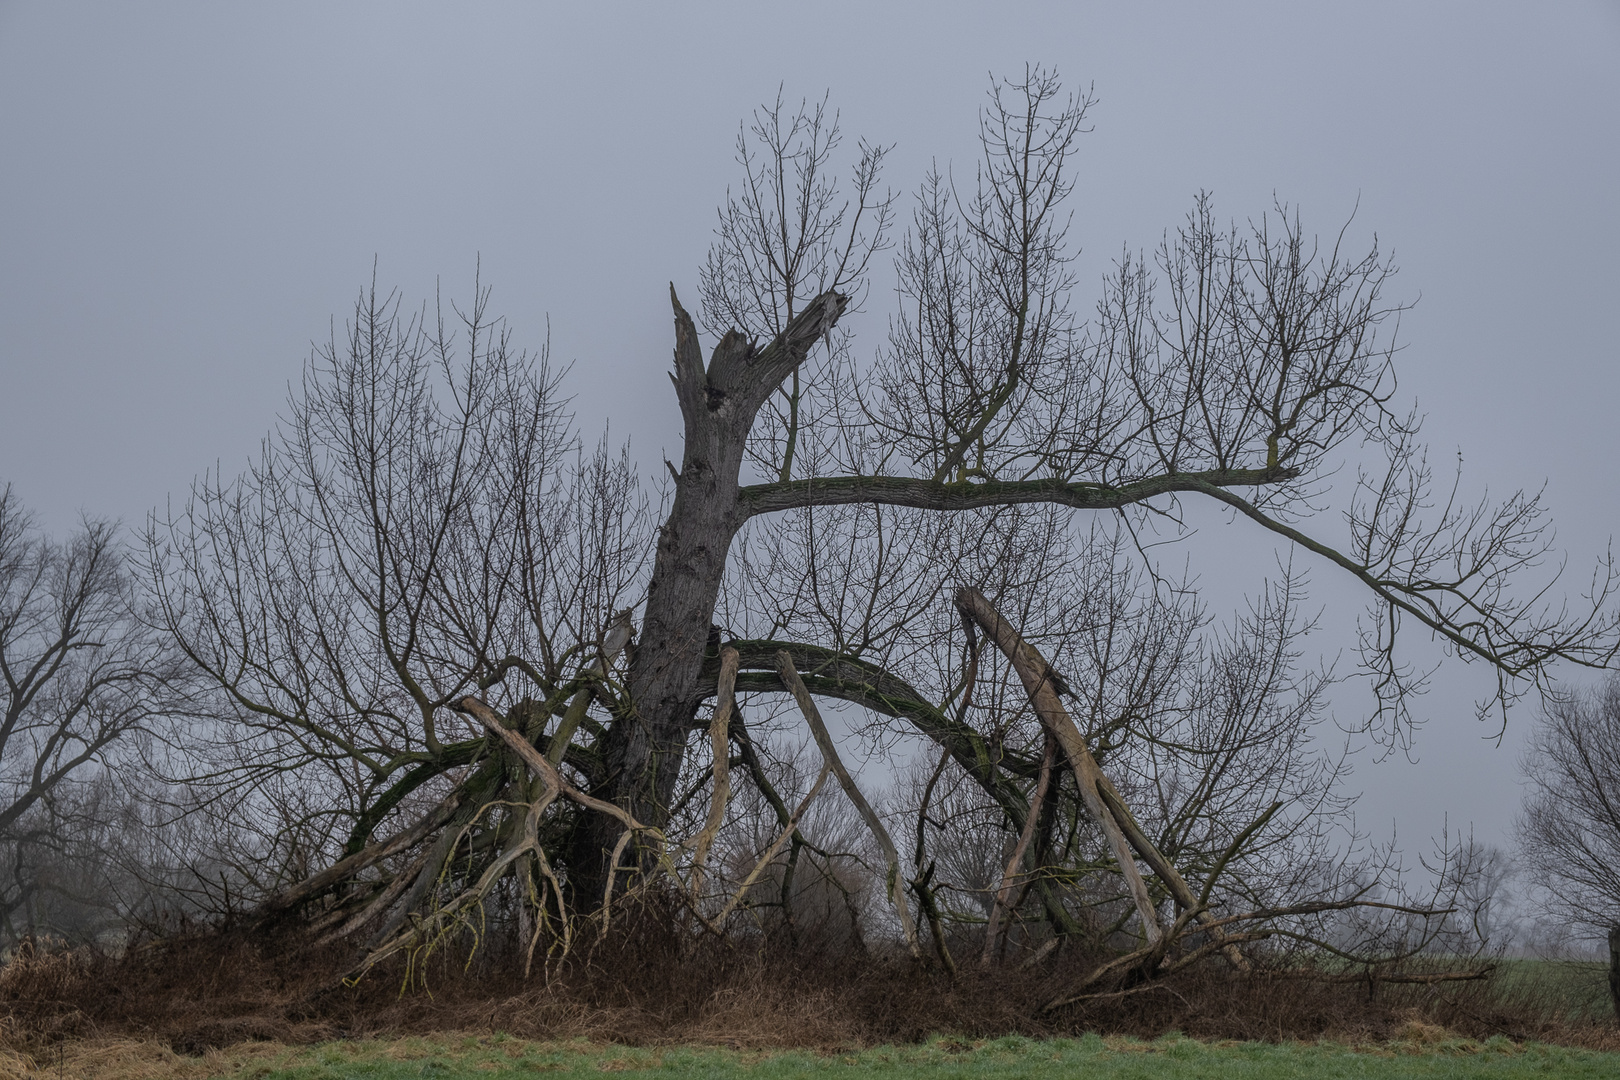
417	606
423	528
82	672
1569	829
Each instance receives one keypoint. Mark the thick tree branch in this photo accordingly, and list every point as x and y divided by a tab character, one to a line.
829	674
719	742
1101	797
931	495
755	376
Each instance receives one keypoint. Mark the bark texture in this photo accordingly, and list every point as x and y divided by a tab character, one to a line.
718	405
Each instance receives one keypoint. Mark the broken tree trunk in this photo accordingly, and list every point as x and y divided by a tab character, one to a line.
718	403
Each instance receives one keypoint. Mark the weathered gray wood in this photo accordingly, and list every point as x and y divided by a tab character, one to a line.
1041	684
720	745
1009	878
1102	798
643	753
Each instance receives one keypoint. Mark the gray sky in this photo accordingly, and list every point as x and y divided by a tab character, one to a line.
189	193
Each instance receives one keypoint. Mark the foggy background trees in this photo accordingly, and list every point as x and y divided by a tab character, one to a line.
86	675
1569	831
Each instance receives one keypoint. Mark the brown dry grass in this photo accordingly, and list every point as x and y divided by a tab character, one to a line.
168	1008
140	1059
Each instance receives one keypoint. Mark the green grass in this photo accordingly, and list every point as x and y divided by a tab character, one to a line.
1577	988
498	1058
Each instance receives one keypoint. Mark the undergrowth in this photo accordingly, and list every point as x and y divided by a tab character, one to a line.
647	985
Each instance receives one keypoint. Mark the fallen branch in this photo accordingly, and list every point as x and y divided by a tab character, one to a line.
829	753
1102	799
1041	685
771	852
719	741
1000	908
432	928
314	885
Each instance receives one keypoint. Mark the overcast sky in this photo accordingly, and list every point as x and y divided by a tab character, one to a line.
190	193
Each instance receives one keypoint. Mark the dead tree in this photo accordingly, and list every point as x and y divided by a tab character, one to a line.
414	602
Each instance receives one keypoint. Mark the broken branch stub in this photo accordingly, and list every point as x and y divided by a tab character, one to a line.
618	637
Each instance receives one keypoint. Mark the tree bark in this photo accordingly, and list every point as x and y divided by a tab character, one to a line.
924	494
643	752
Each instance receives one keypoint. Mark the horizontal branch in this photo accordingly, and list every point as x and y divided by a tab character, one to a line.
932	495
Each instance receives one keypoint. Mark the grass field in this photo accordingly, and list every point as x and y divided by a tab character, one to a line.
1428	1053
1578	989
